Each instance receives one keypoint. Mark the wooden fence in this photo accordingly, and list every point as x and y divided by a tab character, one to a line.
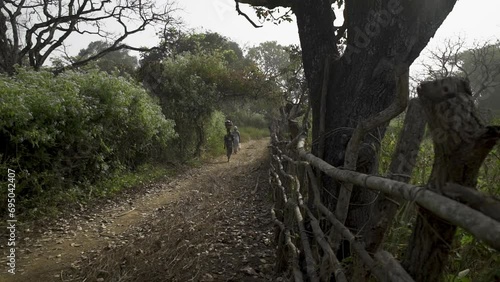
309	233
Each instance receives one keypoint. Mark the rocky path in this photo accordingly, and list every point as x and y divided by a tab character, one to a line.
208	224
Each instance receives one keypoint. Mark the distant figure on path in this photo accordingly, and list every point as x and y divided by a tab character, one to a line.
228	144
228	124
236	140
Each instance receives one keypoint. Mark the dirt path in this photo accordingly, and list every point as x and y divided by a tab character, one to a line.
207	224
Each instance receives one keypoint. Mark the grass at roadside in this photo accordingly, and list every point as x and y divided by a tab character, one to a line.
215	143
52	204
252	133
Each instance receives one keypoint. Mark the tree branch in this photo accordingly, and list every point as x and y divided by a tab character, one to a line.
47	24
101	54
245	15
270	4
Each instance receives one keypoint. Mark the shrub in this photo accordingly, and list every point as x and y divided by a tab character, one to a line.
214	145
70	130
247	118
187	89
252	133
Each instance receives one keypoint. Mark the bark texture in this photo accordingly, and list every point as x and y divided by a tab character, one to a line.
461	143
383	39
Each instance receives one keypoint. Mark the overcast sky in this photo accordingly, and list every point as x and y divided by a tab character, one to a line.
221	16
471	19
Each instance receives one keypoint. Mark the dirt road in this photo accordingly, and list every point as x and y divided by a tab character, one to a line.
208	224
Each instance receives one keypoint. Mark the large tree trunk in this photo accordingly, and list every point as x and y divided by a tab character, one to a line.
8	56
384	38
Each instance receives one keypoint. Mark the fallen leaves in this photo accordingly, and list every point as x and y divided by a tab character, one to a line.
217	229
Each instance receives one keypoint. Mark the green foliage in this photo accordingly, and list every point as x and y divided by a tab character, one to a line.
197	75
119	61
188	94
215	135
70	130
50	204
425	159
283	66
270	56
248	118
176	43
244	80
252	125
453	278
468	253
252	133
472	260
125	179
489	175
388	144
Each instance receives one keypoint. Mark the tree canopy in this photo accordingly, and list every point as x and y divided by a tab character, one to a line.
283	66
196	74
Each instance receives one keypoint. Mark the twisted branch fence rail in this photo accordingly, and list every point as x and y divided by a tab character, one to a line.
309	250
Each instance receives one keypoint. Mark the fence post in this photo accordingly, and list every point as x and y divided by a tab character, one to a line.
461	143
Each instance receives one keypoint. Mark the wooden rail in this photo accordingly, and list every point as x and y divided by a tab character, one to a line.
299	210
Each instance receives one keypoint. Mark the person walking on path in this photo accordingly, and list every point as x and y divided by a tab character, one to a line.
228	124
236	140
228	144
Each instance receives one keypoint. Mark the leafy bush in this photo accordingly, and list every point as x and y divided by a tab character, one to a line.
252	133
249	119
124	179
215	135
197	75
188	94
73	129
216	130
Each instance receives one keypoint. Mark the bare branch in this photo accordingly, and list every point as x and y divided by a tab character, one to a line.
477	63
270	4
45	25
245	15
101	54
